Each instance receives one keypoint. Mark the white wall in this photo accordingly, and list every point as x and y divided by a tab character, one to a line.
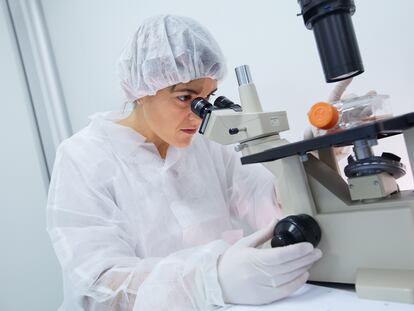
87	37
30	278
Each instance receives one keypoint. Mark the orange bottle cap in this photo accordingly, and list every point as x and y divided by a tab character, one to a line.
323	115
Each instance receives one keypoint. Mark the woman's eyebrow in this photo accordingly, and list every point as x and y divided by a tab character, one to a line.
185	90
189	91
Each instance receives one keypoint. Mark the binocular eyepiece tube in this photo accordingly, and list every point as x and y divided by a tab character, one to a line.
201	106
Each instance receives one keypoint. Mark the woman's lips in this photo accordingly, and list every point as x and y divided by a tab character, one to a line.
189	131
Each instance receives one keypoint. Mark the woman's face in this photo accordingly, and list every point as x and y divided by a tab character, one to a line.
168	113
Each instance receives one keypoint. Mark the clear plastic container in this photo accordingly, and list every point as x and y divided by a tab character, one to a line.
348	113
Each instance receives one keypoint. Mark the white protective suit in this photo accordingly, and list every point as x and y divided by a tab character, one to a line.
135	232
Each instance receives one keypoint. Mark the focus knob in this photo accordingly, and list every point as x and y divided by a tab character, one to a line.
295	229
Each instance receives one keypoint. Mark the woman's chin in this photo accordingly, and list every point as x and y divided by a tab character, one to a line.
183	142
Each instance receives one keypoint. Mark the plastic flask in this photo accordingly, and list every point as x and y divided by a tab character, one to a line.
344	114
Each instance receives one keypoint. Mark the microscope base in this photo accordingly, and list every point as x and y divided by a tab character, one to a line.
385	284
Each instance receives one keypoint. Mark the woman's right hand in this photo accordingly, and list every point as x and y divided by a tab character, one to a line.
253	276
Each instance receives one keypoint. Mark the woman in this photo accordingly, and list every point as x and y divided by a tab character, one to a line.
143	212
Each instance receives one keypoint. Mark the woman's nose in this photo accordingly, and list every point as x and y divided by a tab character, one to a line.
192	116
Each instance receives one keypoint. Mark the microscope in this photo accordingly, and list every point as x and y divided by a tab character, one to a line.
364	224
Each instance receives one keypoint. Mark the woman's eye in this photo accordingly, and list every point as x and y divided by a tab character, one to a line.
184	98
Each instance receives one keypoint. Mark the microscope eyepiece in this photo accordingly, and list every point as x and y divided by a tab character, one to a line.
200	107
223	102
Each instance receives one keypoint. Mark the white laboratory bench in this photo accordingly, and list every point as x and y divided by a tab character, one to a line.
321	298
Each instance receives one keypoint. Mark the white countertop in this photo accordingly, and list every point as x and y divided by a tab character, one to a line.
321	298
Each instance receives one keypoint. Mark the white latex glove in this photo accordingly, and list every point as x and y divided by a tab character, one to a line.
253	276
335	95
363	113
338	90
338	94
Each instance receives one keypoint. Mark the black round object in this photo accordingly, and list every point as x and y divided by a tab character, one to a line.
200	106
335	36
388	163
391	156
338	47
223	102
295	229
314	10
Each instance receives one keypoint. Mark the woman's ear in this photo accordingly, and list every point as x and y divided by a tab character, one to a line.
138	102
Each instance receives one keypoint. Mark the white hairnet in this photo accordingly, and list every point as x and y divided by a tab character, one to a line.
167	50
